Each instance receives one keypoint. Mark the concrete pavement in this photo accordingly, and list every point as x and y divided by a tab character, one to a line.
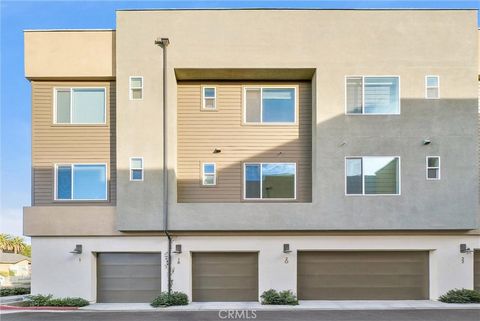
297	315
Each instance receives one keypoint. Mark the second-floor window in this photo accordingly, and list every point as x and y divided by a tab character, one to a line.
433	167
376	95
136	88
372	175
81	182
209	96
136	169
209	174
432	87
80	106
270	181
269	105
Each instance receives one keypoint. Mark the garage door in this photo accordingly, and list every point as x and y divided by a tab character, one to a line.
128	277
476	269
224	277
363	275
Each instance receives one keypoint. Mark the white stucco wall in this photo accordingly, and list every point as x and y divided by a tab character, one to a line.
56	271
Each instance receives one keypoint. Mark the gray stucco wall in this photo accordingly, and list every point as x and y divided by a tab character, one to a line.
410	44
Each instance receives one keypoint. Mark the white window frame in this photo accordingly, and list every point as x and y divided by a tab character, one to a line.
71	89
261	182
130	88
428	87
244	118
428	167
209	174
363	176
55	182
205	98
363	95
136	168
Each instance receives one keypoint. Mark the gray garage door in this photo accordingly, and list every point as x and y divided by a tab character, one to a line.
128	277
363	275
224	277
476	269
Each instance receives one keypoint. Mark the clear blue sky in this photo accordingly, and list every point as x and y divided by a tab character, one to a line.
15	89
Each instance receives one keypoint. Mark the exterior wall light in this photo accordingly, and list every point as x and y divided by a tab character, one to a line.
178	249
465	249
217	150
77	250
427	141
286	248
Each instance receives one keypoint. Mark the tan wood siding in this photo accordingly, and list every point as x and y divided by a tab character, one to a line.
218	276
363	275
200	132
53	143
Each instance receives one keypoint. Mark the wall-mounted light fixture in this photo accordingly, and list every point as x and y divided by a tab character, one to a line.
77	249
217	150
178	249
427	141
465	249
286	248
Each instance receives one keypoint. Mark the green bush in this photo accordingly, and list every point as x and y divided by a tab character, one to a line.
460	296
167	300
272	297
14	291
48	301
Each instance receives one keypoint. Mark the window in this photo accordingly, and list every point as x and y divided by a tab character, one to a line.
270	105
378	95
378	175
432	87
136	88
209	96
209	174
270	181
136	169
433	167
81	182
80	106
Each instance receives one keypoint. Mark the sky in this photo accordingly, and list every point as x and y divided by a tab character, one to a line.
18	15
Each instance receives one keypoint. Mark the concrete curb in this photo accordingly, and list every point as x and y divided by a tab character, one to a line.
19	308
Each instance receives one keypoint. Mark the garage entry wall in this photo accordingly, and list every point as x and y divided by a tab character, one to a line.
363	275
128	277
476	270
219	276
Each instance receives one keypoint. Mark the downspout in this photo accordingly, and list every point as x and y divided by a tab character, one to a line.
164	42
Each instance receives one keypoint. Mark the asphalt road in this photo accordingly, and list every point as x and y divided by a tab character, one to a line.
302	315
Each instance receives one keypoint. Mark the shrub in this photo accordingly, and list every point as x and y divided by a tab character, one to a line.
167	300
272	297
48	301
14	291
460	296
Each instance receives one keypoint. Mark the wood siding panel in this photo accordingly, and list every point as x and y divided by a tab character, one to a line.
53	143
200	132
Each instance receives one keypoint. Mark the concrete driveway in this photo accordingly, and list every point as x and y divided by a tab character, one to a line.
297	315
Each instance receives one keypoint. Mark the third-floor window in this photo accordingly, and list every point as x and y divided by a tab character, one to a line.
80	106
270	105
375	95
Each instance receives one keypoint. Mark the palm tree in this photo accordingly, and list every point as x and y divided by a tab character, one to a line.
6	242
17	244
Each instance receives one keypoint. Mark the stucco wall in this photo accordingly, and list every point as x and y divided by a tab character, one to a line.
410	44
79	271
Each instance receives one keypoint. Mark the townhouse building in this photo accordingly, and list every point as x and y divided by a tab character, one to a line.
223	153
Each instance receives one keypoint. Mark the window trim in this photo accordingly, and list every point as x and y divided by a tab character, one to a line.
363	95
136	168
261	182
204	108
214	174
428	167
261	87
55	181
363	176
428	87
71	89
130	88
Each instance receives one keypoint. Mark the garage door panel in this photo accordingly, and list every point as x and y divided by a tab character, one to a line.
357	275
219	276
128	277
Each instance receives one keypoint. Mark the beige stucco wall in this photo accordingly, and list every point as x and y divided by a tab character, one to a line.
70	54
336	43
